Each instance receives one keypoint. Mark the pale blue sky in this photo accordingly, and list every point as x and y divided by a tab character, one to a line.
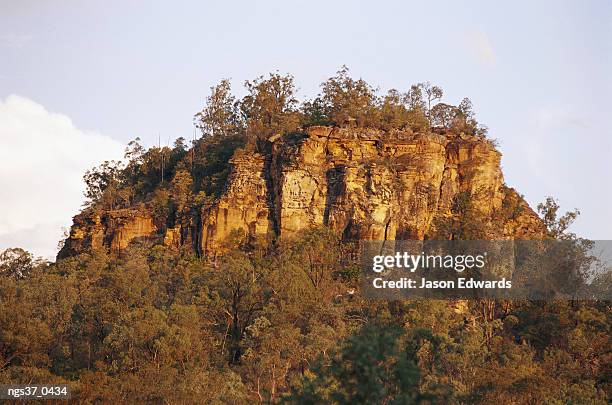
538	72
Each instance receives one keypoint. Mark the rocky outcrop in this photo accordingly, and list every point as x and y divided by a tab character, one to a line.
113	229
87	232
364	183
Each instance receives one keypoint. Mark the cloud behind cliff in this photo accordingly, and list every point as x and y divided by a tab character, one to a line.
42	160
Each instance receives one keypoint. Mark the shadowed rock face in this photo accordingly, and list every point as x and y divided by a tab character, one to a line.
364	183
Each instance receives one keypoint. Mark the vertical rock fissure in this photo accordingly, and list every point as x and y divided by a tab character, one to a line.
197	234
387	229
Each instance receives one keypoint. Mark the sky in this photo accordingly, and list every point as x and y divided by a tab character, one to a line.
78	80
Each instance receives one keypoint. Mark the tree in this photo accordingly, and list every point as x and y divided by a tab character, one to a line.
318	253
134	155
393	111
414	97
417	114
557	226
432	93
314	113
443	115
271	351
239	284
220	115
346	99
270	107
369	369
180	191
467	221
465	119
102	183
134	151
155	325
465	107
16	262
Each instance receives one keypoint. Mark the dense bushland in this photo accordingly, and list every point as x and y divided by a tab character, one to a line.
284	323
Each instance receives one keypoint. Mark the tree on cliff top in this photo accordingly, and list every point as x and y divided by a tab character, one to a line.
220	114
270	107
346	99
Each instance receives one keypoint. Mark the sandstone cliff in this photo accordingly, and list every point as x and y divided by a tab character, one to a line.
364	183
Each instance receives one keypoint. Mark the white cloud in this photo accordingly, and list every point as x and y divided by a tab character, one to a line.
480	45
42	160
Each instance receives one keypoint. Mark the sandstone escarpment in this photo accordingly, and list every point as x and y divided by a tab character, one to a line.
363	183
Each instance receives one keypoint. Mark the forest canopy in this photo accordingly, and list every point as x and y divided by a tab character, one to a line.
271	106
286	324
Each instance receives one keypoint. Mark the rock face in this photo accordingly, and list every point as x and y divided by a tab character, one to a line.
243	206
373	185
364	183
114	229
